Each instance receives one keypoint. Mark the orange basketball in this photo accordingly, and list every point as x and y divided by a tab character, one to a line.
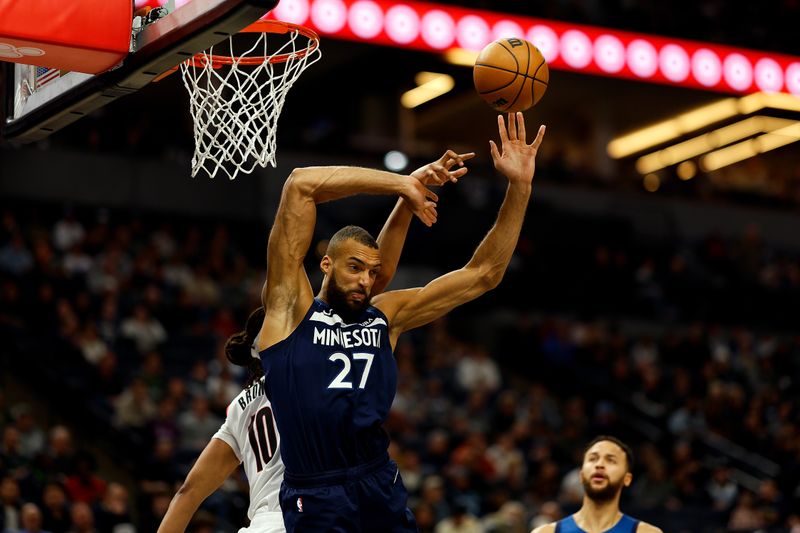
511	75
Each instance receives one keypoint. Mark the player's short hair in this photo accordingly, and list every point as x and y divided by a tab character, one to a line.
629	459
357	233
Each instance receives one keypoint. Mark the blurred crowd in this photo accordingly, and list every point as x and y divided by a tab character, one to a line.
119	320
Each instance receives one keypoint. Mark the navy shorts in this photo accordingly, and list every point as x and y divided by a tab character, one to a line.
365	499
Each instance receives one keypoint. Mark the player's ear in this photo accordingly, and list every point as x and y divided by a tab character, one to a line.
325	264
628	479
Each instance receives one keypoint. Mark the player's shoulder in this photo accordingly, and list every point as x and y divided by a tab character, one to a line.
644	527
547	528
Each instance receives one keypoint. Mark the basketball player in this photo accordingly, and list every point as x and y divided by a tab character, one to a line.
328	363
248	436
606	469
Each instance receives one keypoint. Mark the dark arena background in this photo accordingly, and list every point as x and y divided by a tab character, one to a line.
650	298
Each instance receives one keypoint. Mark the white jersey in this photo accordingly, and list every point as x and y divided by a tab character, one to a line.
249	430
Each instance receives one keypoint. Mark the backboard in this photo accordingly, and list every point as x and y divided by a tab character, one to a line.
38	101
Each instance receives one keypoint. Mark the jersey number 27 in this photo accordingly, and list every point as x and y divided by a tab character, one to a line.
340	381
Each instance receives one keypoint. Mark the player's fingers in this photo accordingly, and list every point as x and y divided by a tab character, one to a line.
521	126
424	217
438	169
512	126
430	212
539	136
493	149
501	125
459	159
430	195
458	173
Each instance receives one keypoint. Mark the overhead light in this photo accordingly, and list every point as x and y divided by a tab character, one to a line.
687	122
667	130
430	85
709	141
758	101
687	170
395	161
461	57
651	182
751	147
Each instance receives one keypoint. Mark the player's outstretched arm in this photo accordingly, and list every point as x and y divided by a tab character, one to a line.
393	235
290	294
547	528
212	468
412	308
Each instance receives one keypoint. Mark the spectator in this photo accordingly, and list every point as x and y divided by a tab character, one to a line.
11	457
55	512
548	512
433	495
460	521
507	460
134	407
15	258
32	519
67	231
77	263
477	371
112	511
31	436
197	426
161	472
11	504
82	519
745	516
59	458
510	518
84	485
722	489
91	344
145	331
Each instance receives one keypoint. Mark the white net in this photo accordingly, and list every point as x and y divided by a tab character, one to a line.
235	107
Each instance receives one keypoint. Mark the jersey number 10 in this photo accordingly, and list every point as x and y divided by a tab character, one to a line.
263	439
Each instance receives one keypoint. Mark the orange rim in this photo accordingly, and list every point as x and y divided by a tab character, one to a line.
262	26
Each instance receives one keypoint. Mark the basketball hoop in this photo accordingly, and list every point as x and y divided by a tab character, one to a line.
236	97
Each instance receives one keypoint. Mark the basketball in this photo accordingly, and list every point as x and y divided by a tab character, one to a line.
511	75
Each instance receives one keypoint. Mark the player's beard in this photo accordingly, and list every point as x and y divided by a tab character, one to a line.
337	299
605	494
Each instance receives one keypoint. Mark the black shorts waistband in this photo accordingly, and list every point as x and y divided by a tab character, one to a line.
336	477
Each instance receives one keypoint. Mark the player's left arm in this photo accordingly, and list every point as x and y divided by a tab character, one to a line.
393	235
215	464
411	308
644	527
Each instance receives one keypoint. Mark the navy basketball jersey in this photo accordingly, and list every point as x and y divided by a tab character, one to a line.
331	385
626	524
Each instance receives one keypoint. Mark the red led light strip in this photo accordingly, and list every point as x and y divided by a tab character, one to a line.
579	48
594	50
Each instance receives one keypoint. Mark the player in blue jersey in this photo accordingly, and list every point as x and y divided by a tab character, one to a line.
248	436
606	469
329	368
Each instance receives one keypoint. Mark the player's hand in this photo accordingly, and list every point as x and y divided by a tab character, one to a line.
517	160
439	173
421	200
